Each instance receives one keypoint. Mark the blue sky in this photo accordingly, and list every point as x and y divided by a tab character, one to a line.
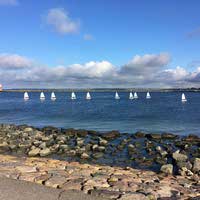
103	30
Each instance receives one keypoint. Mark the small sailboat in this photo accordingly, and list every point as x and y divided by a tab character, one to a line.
135	95
148	96
117	95
53	96
73	95
26	96
42	96
88	97
131	95
183	98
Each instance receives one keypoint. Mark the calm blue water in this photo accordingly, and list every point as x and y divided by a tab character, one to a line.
163	113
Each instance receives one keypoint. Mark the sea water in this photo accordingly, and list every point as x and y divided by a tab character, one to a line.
164	112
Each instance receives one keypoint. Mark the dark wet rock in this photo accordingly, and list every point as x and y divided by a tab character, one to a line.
82	132
169	136
111	135
139	135
154	136
167	169
192	138
196	165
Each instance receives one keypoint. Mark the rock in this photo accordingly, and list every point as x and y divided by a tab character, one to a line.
55	181
178	157
43	145
34	152
133	196
45	152
111	135
192	138
85	156
167	169
79	142
103	142
28	130
131	147
196	165
185	172
98	155
154	136
82	132
168	136
139	135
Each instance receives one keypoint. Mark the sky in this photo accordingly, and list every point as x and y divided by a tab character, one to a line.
99	43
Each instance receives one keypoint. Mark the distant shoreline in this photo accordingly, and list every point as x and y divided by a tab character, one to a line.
105	90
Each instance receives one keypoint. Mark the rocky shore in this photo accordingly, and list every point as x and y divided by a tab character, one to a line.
112	165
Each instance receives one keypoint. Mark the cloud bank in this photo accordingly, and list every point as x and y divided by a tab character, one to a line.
60	21
150	70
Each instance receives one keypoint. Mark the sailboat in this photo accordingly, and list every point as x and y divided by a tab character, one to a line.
53	96
26	96
88	96
73	95
131	95
135	95
117	95
42	97
183	98
148	96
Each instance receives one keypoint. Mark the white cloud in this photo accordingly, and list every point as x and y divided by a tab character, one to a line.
59	19
9	2
146	64
88	37
14	61
142	71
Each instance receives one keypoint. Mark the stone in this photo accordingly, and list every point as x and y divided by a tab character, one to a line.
34	152
179	157
154	136
85	156
45	152
28	129
55	181
168	136
167	169
132	196
196	165
97	155
139	135
111	135
103	142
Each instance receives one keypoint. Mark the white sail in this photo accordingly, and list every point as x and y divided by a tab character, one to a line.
183	98
88	96
53	96
73	95
135	95
131	95
148	95
42	96
117	95
26	96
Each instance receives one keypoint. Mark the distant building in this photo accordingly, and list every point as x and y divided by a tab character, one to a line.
1	88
